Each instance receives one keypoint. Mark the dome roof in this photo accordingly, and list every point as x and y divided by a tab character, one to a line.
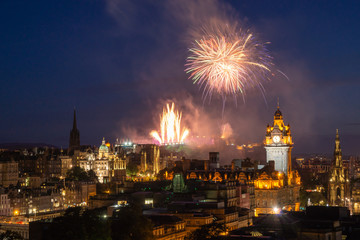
103	147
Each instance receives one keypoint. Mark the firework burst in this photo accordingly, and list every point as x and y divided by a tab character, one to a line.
228	63
170	127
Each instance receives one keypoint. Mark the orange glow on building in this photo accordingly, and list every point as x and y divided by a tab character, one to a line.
264	181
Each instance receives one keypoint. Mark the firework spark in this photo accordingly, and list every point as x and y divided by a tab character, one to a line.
226	131
170	127
228	63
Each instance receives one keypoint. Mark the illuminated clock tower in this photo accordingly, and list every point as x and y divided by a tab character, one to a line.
278	144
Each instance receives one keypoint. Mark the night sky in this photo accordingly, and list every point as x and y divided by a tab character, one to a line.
118	62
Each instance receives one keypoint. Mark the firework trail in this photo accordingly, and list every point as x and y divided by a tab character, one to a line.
170	127
228	62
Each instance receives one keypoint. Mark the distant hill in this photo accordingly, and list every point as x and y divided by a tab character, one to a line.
15	146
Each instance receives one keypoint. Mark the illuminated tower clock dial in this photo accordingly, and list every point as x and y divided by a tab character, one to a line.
276	139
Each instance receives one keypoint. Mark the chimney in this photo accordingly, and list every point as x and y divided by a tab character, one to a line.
214	160
272	165
186	164
214	157
206	165
256	165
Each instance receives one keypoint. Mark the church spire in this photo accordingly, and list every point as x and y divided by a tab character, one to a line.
74	121
337	151
74	141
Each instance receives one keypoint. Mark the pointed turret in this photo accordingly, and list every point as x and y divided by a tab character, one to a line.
74	121
278	114
74	142
337	150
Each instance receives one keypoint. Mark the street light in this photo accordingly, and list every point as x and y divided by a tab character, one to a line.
276	210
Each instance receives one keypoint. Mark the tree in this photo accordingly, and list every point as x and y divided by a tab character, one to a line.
210	231
10	235
77	224
132	169
316	198
96	225
77	174
92	175
130	224
162	174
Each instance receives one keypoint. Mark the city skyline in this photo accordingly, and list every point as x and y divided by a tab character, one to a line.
116	69
179	119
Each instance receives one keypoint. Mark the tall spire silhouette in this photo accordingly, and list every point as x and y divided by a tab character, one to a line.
74	142
74	121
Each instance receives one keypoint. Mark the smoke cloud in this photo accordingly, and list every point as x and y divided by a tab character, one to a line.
161	79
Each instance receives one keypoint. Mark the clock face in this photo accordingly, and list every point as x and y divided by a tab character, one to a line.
276	139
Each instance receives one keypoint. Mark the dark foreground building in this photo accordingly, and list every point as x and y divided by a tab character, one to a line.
318	223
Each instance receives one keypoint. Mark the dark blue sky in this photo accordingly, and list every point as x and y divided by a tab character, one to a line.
119	61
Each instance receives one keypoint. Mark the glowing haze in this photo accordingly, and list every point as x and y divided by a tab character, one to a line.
228	61
170	127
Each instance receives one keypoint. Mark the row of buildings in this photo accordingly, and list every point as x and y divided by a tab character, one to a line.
178	194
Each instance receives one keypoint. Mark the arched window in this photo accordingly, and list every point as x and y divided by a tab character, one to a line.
338	192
